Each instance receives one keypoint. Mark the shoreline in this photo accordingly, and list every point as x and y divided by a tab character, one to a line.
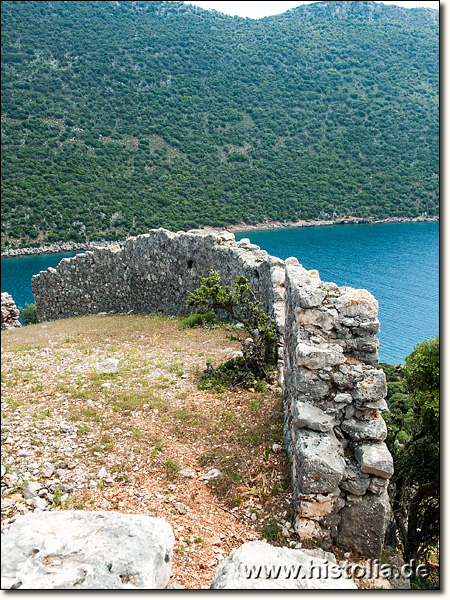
270	225
236	228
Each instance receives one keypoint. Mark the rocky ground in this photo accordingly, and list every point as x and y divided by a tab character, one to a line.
143	440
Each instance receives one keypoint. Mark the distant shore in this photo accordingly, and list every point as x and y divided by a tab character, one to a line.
237	228
242	227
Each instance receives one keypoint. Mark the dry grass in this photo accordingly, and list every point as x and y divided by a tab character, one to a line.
143	425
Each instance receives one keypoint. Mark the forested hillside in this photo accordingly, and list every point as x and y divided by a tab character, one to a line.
122	116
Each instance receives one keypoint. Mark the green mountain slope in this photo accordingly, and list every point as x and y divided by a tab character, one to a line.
121	116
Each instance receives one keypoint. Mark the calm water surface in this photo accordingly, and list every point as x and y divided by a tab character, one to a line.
18	271
397	263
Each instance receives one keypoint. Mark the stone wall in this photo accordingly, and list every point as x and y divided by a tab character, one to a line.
10	312
333	393
333	398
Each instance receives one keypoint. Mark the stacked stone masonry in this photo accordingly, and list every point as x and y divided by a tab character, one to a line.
10	312
333	393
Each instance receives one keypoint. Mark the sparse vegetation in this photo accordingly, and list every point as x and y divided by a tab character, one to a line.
198	319
28	314
143	430
271	531
257	334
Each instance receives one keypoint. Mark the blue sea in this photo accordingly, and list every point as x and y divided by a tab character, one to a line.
397	262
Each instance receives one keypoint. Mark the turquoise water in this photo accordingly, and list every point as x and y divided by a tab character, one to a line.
397	263
18	271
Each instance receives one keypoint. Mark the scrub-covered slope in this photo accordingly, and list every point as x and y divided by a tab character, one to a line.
122	116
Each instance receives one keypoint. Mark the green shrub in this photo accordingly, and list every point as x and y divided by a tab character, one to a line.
270	531
257	333
198	319
29	314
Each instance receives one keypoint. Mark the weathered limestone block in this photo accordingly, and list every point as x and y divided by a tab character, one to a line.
363	525
359	303
372	388
319	462
309	384
323	319
355	482
317	357
306	415
305	285
257	565
9	312
367	328
381	405
374	429
307	529
377	485
318	506
87	550
375	458
343	399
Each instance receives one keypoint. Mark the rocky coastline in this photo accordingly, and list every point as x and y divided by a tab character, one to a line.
241	227
236	228
59	247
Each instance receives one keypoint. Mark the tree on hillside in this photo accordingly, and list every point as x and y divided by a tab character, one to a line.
416	482
257	334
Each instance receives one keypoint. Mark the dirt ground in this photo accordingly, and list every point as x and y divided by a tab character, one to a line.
146	439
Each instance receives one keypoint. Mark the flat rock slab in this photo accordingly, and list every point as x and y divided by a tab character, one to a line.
109	365
87	550
259	566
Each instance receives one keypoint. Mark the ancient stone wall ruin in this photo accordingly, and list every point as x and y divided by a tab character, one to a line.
333	393
10	312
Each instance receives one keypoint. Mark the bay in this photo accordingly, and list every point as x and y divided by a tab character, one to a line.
397	262
17	272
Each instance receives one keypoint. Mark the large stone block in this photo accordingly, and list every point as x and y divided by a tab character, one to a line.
357	303
355	482
323	319
87	550
259	566
373	387
375	458
363	525
308	416
308	383
318	357
318	506
373	429
319	462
